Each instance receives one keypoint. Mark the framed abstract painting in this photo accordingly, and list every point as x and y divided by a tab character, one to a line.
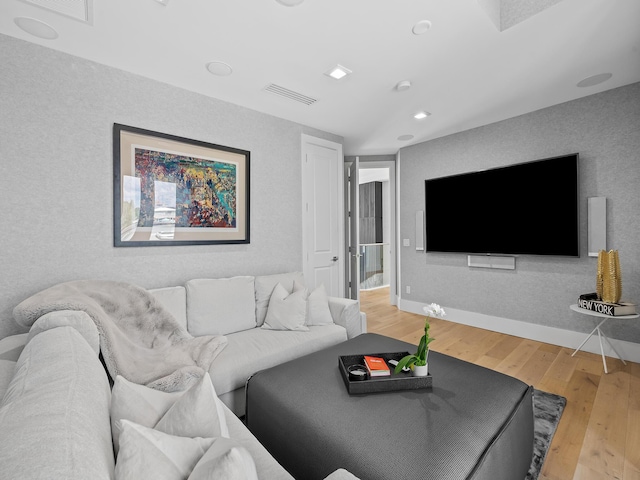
170	190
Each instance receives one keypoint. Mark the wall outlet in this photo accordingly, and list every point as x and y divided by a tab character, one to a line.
406	242
408	289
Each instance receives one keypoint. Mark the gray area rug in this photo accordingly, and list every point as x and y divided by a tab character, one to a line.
547	410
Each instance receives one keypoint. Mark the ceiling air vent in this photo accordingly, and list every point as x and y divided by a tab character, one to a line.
290	94
76	9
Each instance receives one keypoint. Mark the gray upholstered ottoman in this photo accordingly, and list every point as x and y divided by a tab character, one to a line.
473	423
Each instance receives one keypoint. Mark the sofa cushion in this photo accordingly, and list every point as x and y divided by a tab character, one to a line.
287	311
264	286
173	299
220	306
256	349
196	412
54	417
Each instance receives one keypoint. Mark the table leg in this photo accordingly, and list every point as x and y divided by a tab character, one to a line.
614	348
604	361
597	329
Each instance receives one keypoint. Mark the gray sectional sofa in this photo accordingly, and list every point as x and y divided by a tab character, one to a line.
56	398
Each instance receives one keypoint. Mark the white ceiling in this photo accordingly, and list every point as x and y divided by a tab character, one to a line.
463	70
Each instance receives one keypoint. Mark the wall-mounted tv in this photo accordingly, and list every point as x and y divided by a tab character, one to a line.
523	209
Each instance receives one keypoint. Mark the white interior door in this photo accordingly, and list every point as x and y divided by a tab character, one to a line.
322	214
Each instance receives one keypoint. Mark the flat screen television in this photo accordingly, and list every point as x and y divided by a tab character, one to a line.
523	209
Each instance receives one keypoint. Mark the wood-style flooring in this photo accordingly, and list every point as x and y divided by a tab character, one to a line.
599	433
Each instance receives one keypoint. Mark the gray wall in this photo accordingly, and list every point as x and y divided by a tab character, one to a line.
605	130
56	117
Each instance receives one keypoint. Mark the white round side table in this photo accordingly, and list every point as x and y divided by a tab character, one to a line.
601	335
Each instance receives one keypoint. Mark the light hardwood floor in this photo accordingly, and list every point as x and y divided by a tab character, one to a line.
599	433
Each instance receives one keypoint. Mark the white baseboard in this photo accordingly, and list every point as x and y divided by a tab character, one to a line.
556	336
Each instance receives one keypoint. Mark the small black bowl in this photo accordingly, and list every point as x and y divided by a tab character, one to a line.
357	372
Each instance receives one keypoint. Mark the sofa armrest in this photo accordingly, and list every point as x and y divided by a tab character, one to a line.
78	320
346	313
341	474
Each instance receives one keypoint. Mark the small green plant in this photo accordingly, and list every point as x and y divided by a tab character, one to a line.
422	354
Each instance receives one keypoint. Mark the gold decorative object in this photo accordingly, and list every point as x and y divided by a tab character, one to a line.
600	274
609	277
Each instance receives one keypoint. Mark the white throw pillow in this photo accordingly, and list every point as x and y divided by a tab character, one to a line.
264	285
341	474
197	412
225	459
148	453
219	306
318	312
287	311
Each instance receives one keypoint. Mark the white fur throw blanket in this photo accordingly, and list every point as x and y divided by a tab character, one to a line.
139	339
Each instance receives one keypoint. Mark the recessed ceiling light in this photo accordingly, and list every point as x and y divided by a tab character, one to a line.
219	68
290	3
338	72
163	2
405	138
403	85
420	115
36	28
594	80
421	27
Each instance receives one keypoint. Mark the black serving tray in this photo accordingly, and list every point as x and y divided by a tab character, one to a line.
387	383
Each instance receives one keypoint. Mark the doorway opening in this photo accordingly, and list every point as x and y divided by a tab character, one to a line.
371	227
373	217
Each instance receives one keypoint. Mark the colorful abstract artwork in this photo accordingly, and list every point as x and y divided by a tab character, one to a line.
175	191
201	193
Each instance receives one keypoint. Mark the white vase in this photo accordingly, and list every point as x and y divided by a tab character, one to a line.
420	370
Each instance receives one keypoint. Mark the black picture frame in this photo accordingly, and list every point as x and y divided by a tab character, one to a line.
170	190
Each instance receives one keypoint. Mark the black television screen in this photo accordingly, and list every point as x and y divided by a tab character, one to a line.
527	208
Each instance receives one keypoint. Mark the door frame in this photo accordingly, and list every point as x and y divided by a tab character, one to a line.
306	141
352	229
